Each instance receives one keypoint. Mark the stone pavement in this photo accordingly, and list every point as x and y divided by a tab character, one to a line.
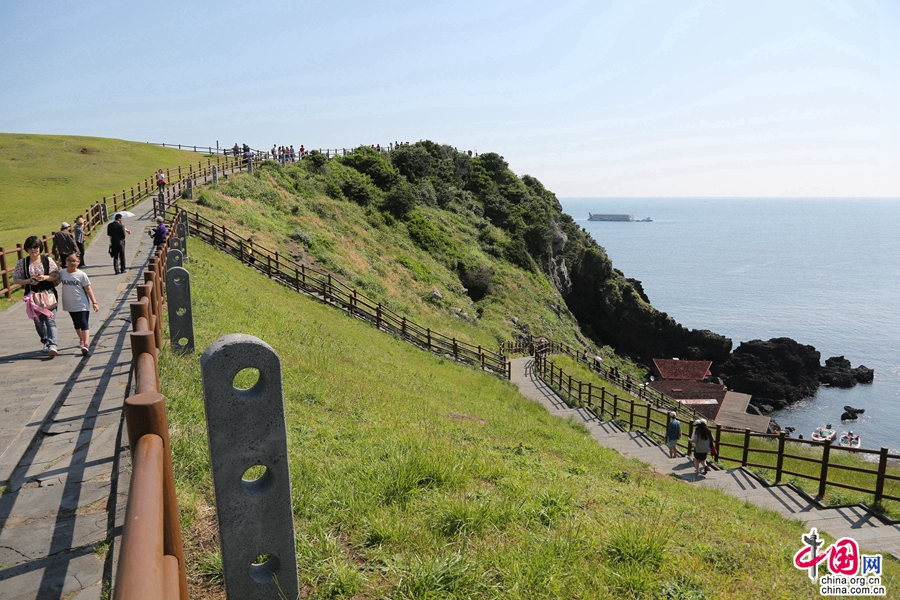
61	436
872	534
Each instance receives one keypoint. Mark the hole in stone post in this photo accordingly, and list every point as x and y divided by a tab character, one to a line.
246	378
264	568
253	473
257	480
181	311
183	342
178	280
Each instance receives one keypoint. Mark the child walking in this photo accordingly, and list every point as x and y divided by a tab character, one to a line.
76	290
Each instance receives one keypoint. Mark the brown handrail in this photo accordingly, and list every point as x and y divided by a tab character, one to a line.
151	563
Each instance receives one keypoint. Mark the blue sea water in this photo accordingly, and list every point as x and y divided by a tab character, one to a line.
825	272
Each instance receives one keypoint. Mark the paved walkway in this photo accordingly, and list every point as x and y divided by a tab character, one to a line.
61	435
852	521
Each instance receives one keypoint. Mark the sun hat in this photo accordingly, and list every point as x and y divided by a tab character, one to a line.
64	225
700	422
672	413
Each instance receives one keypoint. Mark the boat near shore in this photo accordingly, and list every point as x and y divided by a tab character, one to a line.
824	434
618	217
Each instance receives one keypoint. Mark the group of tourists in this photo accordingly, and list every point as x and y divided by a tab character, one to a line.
287	153
41	274
701	440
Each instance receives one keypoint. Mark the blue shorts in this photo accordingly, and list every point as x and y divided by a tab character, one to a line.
80	319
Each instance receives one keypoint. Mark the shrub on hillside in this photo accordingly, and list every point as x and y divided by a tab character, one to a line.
316	160
400	199
374	164
430	238
354	186
413	162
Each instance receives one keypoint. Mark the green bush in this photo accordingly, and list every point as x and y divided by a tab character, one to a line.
401	199
374	164
316	160
430	238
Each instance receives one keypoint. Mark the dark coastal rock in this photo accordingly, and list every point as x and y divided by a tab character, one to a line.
839	373
776	373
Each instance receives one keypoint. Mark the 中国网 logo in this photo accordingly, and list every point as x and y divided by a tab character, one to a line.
850	574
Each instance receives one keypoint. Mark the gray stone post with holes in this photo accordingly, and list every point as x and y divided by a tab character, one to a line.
174	258
161	204
189	191
104	212
215	174
175	244
246	429
178	297
182	234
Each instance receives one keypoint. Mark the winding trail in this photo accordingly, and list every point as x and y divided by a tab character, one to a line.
855	521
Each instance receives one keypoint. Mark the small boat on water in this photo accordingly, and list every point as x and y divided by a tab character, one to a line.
620	217
849	440
824	434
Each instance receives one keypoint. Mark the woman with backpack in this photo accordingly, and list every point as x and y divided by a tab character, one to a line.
38	273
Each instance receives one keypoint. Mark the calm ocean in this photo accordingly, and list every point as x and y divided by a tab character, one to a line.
825	272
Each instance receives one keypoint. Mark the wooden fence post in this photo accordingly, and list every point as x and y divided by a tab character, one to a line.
746	447
823	477
879	481
631	414
779	465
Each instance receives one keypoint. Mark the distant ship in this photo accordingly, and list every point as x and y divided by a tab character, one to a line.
615	217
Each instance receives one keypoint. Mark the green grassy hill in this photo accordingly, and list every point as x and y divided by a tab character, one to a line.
414	477
46	179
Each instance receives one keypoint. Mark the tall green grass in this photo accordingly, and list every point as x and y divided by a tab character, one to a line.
415	477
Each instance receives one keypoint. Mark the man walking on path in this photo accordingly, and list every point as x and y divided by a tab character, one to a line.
64	243
117	232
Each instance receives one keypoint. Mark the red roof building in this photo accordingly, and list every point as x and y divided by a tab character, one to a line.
682	370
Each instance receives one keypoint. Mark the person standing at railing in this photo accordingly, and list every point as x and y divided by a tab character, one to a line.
159	233
160	181
702	441
117	232
64	243
673	434
38	273
79	238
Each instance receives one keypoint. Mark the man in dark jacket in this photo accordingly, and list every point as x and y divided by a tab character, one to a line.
117	232
64	243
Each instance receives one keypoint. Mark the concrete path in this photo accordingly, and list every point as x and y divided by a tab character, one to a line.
856	522
61	436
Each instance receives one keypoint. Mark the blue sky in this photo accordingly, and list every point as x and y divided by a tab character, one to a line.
599	98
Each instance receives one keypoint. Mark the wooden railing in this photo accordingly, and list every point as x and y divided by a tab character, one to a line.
328	288
151	558
741	447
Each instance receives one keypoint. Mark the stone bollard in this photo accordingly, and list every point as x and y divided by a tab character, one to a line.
247	430
175	244
189	190
174	258
181	318
250	166
215	174
182	235
161	204
104	213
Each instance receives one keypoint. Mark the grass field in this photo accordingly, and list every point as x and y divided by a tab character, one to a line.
414	477
46	179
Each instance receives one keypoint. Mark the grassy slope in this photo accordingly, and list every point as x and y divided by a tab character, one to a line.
286	210
416	477
63	175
